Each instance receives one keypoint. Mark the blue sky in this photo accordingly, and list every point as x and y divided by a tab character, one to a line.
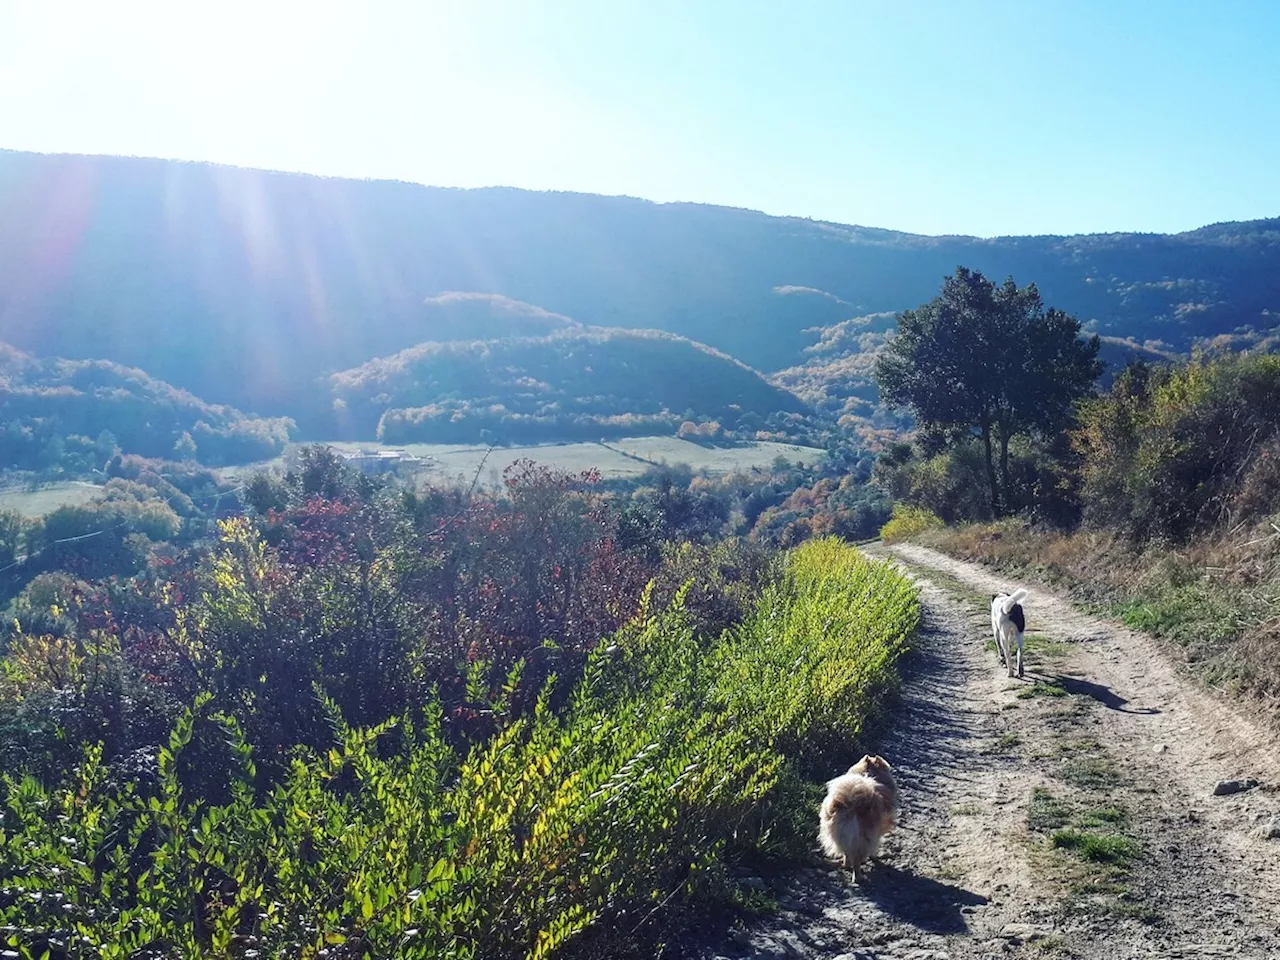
936	117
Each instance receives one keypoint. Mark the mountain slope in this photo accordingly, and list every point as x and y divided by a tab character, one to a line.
243	286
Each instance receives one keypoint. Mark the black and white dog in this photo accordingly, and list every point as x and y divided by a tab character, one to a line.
1008	623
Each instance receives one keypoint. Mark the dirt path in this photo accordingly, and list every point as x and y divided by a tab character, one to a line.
1066	815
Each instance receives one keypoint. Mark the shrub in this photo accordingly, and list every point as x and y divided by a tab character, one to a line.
1165	452
953	483
721	581
572	828
809	668
907	522
104	537
950	483
58	693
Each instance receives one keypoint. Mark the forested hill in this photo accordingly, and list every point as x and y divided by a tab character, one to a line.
578	383
244	286
72	414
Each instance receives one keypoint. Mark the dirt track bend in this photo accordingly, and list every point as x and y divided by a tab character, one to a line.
1102	738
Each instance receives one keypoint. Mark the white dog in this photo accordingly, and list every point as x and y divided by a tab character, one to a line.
1008	623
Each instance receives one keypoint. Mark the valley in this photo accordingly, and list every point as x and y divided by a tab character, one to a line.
512	481
389	570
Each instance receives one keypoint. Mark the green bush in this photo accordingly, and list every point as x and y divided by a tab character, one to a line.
809	668
1170	452
906	522
722	580
951	483
610	814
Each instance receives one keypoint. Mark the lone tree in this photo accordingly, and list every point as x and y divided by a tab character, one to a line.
184	448
990	361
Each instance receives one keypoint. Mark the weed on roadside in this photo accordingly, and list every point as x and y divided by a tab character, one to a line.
1092	834
1104	848
1099	888
1043	688
1090	773
1041	645
1054	946
1103	817
1047	812
1082	745
756	903
1110	900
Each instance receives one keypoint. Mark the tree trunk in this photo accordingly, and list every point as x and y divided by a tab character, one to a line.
991	471
1004	469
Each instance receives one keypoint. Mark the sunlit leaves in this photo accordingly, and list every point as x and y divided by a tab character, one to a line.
617	804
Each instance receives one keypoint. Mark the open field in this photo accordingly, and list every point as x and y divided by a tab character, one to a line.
36	503
618	459
713	459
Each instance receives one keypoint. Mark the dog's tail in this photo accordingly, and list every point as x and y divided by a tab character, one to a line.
849	798
1013	599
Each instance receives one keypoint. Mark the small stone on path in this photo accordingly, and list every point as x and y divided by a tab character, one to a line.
1224	788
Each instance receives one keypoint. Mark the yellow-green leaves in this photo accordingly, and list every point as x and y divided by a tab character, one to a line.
614	802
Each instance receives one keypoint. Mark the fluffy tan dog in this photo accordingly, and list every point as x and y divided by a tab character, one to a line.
859	809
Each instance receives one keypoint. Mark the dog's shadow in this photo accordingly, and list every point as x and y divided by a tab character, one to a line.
1104	695
920	901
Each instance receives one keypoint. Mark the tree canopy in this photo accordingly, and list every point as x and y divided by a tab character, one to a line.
991	361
